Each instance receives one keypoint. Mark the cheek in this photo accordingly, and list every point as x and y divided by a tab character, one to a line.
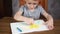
31	6
35	5
28	5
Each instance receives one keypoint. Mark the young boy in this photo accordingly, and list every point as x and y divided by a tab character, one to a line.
31	11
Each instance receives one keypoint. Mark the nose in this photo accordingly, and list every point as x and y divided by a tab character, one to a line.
32	5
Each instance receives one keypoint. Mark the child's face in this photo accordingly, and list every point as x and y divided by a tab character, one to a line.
31	4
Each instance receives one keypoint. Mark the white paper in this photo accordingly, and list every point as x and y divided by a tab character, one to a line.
22	27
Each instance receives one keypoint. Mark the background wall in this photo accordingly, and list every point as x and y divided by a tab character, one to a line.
54	8
1	9
5	8
15	6
7	4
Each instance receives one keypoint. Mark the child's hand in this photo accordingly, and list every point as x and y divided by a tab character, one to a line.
50	25
29	21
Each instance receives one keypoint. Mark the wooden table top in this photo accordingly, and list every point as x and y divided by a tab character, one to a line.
5	27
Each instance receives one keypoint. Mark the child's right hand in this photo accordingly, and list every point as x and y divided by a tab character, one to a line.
29	21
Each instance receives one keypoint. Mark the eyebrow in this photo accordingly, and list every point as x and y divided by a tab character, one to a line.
35	0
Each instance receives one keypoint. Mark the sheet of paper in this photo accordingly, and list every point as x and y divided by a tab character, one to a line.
22	27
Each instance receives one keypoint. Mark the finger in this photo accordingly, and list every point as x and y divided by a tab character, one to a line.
31	24
50	27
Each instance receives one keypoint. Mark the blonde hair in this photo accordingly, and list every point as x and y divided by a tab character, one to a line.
33	0
24	1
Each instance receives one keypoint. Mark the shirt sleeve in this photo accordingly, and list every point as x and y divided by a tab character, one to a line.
42	10
21	8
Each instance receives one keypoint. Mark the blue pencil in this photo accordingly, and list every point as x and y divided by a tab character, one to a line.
19	29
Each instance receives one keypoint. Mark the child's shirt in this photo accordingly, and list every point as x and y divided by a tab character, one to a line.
35	14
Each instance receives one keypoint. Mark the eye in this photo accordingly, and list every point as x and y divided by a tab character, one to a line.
29	3
34	3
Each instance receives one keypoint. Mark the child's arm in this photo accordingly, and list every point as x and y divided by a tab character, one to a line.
49	20
18	16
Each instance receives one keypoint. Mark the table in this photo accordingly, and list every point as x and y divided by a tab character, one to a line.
5	27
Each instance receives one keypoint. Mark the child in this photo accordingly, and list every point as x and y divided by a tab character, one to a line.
31	11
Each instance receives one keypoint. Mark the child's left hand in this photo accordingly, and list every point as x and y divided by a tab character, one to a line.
50	25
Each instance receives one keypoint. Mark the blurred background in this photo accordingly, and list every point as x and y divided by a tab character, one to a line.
10	7
54	8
